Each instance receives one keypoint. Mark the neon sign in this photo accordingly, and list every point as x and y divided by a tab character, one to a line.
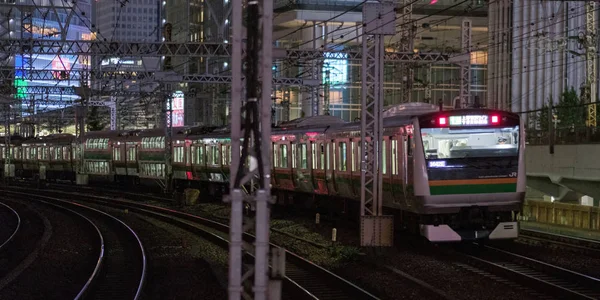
468	120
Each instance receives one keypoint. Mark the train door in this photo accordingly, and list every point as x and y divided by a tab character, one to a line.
302	169
330	166
395	166
319	165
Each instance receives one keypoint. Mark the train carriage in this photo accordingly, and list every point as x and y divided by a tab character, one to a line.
449	175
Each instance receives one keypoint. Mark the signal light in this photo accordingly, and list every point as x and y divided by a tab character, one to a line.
495	119
442	121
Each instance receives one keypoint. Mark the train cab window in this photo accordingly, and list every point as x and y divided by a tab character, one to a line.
303	157
394	157
408	145
342	162
283	152
178	154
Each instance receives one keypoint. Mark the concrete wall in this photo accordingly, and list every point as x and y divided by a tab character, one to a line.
572	171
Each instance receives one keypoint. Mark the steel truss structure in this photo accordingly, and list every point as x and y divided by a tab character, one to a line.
104	49
591	68
465	67
251	156
407	45
376	229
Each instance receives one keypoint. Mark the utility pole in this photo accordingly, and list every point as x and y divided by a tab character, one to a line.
379	20
251	156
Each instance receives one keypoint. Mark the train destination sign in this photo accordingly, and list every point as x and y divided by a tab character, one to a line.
468	120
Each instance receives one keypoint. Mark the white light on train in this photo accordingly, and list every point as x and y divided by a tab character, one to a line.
469	120
442	121
437	164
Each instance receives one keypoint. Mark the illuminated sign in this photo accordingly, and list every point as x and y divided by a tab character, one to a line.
468	120
338	69
437	164
116	61
177	101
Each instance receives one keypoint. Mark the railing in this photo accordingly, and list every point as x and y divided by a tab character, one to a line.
571	215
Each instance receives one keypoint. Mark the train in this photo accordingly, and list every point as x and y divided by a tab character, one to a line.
448	175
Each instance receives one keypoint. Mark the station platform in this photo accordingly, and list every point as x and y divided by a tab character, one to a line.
583	233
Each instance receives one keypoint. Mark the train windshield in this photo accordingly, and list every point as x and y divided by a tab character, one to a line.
448	143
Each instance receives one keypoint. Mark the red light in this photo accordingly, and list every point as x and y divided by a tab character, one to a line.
495	120
442	121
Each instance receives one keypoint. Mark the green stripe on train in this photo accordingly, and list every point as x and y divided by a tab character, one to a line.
473	189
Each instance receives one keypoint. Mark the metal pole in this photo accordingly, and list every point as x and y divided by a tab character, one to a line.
379	21
465	68
236	197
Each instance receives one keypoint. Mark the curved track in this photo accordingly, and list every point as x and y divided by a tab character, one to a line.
124	264
542	276
120	269
11	234
304	280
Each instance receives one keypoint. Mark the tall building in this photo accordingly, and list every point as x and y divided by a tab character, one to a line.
47	20
128	20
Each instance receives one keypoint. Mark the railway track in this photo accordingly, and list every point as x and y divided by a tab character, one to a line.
304	280
8	233
580	245
544	277
120	267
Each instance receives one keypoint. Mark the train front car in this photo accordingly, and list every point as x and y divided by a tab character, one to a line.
472	183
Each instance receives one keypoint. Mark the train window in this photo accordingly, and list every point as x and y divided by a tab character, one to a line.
66	153
394	157
178	154
213	155
322	157
353	155
384	157
199	154
224	155
276	158
131	154
408	145
333	155
303	157
284	155
313	151
117	153
342	156
294	156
